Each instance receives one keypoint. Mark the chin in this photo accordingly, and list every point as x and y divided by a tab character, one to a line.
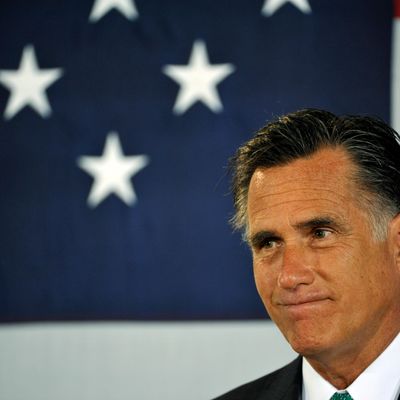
306	348
306	343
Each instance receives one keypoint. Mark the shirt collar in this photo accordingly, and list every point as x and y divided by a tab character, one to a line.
380	380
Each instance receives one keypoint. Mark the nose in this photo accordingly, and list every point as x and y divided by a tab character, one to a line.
296	268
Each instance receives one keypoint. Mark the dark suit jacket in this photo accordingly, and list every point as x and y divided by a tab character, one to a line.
283	384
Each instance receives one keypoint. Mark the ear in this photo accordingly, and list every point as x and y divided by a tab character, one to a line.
394	238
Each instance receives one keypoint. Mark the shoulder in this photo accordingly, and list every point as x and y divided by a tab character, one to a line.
284	381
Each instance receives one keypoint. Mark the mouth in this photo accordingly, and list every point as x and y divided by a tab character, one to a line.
306	306
305	303
301	302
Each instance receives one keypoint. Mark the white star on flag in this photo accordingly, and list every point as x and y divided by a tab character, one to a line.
102	7
112	172
198	80
271	6
28	85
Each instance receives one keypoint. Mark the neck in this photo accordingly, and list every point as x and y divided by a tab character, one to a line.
341	370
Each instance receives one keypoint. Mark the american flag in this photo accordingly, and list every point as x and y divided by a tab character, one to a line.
117	120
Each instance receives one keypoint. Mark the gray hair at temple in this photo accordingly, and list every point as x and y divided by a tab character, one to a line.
371	144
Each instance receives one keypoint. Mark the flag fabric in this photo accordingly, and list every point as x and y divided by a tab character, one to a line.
395	77
117	120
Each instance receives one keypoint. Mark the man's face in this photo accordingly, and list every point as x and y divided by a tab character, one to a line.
328	284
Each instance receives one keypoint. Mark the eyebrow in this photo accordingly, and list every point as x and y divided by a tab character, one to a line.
317	222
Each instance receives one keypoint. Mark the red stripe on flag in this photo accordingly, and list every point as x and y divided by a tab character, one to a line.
397	8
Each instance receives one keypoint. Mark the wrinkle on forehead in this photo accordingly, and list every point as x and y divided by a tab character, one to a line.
309	194
333	162
310	204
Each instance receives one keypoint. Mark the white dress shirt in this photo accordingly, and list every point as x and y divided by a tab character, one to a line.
381	380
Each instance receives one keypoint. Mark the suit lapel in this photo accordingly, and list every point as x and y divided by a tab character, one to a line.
287	384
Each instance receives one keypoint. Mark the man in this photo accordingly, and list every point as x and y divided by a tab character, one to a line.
318	198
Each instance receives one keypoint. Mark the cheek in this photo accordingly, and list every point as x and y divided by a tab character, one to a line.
264	279
366	287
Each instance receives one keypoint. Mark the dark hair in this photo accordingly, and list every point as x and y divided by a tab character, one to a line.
371	144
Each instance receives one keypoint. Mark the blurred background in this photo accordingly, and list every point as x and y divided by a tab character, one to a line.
120	276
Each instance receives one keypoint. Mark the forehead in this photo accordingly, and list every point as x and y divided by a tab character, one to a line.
319	183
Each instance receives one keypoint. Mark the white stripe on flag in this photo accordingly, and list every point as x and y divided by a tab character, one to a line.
395	76
146	361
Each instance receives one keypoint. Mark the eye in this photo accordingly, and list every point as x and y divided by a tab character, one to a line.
321	233
265	242
270	243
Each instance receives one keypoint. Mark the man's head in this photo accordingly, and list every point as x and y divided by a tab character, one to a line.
370	143
318	196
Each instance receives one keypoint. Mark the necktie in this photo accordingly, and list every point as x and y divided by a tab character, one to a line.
341	396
